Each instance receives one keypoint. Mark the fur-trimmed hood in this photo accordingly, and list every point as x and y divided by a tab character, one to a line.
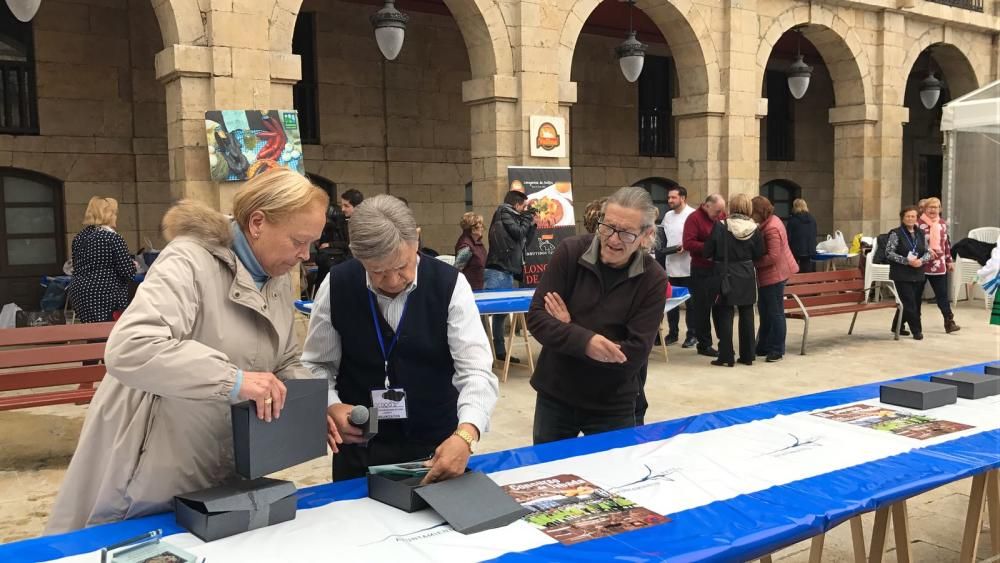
193	219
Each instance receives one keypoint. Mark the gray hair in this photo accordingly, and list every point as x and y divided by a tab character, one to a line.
378	227
632	197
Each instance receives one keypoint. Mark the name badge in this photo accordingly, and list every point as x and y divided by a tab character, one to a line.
391	403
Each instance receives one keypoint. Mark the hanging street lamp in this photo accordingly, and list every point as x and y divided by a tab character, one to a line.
631	53
390	29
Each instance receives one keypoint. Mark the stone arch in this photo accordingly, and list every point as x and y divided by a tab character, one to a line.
681	24
480	22
180	22
842	50
958	59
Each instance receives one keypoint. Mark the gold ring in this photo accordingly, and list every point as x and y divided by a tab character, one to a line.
268	401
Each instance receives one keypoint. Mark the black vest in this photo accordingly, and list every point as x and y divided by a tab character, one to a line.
421	361
907	273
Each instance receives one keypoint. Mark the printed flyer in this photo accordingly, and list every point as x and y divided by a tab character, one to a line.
885	419
550	195
571	510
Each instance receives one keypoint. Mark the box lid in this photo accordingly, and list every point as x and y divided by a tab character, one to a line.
966	377
472	503
239	495
918	386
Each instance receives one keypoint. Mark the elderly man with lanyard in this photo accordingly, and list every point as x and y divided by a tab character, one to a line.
400	331
596	311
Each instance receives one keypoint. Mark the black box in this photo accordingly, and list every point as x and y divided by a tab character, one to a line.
261	448
992	369
470	503
970	385
235	507
917	394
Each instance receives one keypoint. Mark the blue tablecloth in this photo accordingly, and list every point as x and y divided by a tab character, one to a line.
519	300
738	529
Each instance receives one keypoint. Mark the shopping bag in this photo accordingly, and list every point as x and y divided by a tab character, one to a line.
834	244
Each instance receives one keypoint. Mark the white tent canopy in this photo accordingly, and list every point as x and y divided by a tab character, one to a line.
971	127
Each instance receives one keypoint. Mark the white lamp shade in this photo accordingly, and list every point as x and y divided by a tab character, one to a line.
390	41
930	97
24	10
798	85
632	66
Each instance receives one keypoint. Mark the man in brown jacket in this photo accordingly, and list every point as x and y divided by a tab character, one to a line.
596	311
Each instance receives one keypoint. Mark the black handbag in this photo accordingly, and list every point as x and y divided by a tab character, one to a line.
726	287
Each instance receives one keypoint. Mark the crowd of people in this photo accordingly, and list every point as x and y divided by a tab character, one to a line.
391	327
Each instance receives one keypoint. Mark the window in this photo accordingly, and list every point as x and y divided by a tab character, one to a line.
657	188
18	99
305	93
780	118
656	91
468	196
781	193
32	234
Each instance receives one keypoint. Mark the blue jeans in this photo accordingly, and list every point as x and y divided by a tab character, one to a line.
770	307
498	279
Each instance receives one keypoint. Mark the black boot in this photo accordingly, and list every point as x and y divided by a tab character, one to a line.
949	324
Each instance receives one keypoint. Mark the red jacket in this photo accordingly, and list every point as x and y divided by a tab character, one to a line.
698	229
778	264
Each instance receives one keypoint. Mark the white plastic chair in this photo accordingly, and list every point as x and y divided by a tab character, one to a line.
876	273
965	269
447	259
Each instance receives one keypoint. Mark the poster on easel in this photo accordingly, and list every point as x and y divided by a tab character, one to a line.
245	143
550	194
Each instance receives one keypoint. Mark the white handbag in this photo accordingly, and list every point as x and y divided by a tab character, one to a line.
834	244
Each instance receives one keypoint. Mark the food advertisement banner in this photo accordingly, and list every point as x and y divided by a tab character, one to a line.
242	144
550	194
548	136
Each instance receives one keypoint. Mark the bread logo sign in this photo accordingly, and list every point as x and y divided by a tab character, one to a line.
548	137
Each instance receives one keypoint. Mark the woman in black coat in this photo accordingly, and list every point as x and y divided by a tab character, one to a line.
801	229
102	265
739	240
906	251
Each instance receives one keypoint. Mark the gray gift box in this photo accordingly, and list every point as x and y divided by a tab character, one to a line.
299	435
970	385
917	394
992	369
235	507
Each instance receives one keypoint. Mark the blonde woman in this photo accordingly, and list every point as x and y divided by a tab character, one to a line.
102	265
211	325
935	230
470	254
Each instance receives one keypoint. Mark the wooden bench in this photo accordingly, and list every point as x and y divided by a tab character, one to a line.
35	358
833	293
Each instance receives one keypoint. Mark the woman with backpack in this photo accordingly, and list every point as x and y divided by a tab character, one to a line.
936	271
907	254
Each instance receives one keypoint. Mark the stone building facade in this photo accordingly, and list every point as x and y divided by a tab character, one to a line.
122	87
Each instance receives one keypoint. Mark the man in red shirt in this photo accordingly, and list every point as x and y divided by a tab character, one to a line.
704	281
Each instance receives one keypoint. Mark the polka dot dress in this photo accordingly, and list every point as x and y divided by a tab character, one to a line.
102	270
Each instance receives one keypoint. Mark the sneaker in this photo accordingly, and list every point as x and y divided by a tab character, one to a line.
690	342
513	359
710	352
774	358
672	339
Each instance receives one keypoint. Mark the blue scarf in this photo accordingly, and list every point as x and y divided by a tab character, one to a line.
241	246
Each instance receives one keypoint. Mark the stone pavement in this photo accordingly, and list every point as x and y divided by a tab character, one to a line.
39	442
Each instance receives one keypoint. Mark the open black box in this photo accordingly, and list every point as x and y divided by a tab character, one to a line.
470	503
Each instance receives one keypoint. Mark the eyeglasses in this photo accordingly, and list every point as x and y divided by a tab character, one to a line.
608	231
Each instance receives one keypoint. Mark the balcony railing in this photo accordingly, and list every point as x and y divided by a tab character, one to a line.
972	5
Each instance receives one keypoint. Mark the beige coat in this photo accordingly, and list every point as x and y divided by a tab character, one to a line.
159	424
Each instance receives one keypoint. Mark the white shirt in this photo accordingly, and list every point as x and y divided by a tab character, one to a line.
477	386
678	265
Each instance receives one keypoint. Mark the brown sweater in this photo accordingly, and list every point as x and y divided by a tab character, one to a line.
628	313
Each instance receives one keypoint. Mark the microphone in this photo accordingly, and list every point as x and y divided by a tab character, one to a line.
365	418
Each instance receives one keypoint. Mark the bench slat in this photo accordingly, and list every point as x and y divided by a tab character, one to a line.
51	377
79	396
820	300
814	277
54	334
819	288
825	311
51	355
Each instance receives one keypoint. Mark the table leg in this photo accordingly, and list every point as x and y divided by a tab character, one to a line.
973	519
816	549
488	321
993	502
878	535
901	525
510	348
766	559
663	344
858	539
527	342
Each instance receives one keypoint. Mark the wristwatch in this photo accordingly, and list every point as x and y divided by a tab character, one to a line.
472	442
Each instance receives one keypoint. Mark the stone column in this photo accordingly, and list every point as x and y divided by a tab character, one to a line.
496	131
856	180
233	71
740	153
700	134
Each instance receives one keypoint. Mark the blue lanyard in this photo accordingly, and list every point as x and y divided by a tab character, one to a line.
378	332
913	241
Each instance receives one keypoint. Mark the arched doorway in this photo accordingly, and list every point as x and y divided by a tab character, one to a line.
658	189
781	194
32	227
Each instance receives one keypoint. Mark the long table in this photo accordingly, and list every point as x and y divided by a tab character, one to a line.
736	485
